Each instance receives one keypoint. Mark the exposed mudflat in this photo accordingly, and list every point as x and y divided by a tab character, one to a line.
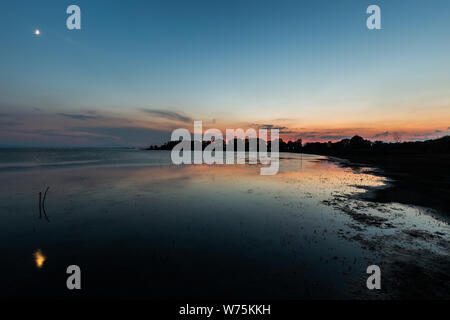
414	255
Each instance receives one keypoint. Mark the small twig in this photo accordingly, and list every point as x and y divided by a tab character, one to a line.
43	204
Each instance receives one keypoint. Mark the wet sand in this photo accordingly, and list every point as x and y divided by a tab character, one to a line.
417	179
410	275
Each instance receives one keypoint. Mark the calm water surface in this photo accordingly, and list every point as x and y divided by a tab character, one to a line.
141	227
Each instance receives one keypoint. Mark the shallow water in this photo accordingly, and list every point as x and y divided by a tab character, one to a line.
140	227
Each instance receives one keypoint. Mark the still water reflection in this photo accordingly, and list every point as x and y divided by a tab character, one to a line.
161	231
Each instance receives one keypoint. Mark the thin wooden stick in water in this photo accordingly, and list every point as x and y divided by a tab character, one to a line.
43	204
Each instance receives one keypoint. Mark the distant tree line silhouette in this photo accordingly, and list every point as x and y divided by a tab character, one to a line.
359	146
353	146
290	146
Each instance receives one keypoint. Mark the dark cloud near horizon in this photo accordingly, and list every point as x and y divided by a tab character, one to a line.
282	129
381	135
8	123
95	136
8	120
308	134
129	135
267	126
170	115
56	133
77	116
334	137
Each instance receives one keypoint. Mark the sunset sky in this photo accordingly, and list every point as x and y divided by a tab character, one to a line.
139	69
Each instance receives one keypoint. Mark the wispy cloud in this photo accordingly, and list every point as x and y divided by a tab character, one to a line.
170	115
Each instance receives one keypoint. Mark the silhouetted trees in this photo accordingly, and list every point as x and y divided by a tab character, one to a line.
358	145
290	146
353	146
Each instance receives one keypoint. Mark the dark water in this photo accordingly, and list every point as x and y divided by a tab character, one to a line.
15	159
140	227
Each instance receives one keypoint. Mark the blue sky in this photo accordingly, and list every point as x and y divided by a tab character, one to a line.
309	66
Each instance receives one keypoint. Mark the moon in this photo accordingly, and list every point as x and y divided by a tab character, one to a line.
37	32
